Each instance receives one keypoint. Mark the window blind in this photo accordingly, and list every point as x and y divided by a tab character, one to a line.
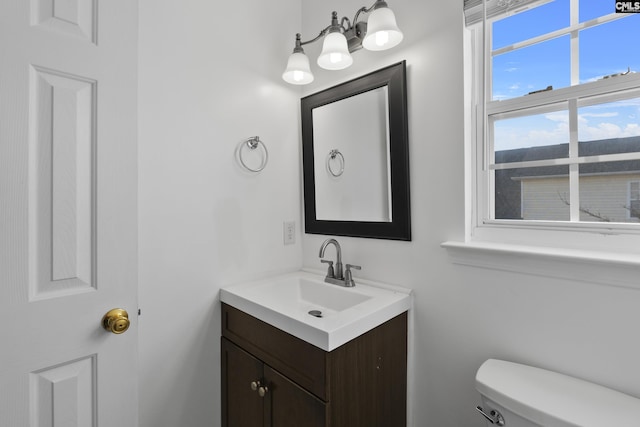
473	8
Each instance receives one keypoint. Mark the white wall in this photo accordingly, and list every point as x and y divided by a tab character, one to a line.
205	223
209	79
464	315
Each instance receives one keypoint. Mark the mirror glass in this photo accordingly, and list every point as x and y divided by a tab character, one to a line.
352	179
355	155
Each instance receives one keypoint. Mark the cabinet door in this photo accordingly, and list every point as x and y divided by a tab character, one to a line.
289	405
241	406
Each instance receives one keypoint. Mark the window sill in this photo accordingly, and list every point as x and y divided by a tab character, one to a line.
615	269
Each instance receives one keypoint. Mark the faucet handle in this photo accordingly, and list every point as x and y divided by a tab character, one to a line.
348	278
330	272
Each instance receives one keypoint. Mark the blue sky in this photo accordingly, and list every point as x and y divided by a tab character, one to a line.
605	49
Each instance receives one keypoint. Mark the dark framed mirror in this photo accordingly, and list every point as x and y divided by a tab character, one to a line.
356	157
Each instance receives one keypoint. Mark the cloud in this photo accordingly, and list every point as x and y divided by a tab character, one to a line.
607	121
611	114
562	117
618	119
608	131
540	132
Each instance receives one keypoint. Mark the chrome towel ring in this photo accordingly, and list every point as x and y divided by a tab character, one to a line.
331	159
252	144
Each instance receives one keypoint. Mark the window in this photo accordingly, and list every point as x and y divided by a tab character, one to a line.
634	199
555	113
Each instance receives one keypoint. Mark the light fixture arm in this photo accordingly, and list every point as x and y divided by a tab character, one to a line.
348	27
319	36
334	26
361	10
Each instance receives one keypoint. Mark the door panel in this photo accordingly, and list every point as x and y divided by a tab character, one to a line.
65	395
241	406
68	212
61	184
289	405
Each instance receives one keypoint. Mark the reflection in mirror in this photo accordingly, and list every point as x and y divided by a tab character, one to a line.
356	159
353	183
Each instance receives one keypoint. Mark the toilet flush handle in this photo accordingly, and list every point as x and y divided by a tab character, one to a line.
494	416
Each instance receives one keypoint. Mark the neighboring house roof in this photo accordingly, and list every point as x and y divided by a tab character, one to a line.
507	192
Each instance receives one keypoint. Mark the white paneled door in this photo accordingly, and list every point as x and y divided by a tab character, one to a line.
68	212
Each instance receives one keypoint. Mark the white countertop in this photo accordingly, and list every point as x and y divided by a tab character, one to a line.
284	301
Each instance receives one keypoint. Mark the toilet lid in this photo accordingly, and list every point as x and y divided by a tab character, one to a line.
555	400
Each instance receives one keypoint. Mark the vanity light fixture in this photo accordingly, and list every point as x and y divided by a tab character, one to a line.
341	38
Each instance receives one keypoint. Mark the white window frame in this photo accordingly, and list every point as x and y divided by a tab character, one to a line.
620	237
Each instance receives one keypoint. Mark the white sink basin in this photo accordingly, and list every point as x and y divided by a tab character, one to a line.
304	294
337	316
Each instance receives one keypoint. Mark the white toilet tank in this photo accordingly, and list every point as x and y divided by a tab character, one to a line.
524	396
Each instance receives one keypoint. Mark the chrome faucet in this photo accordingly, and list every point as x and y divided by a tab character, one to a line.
335	274
337	270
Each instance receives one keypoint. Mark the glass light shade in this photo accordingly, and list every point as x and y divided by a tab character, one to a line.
298	71
382	31
335	52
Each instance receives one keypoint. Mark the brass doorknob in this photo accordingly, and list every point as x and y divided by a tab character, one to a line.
116	321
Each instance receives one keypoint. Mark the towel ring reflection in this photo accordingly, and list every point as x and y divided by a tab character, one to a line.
335	156
253	143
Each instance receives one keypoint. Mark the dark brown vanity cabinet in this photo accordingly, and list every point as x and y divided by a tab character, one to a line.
273	401
273	379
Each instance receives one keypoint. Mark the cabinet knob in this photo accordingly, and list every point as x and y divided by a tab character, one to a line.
256	386
262	391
